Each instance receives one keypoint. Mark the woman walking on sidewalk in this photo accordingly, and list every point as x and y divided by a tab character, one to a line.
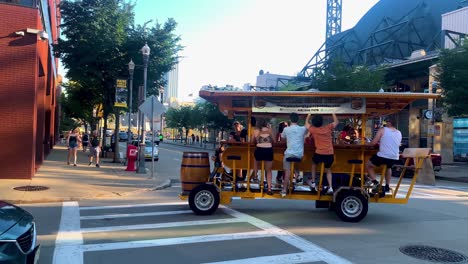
72	141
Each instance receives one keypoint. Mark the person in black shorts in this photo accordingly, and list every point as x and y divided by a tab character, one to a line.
264	151
389	139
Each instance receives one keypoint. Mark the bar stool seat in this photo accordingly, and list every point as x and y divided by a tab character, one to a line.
293	159
234	157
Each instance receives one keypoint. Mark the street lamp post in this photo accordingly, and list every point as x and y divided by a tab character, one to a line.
131	69
141	165
161	94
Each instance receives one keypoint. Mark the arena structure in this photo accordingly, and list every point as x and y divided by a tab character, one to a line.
390	32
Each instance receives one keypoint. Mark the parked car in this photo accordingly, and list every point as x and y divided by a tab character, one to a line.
17	235
148	150
123	136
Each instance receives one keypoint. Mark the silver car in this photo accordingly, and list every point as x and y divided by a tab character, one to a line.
17	235
151	149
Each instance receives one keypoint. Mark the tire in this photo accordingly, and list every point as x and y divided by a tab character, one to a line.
204	199
351	206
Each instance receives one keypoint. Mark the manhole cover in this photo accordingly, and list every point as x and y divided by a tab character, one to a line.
433	254
31	188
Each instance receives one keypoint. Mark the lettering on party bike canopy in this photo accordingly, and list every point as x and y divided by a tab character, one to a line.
305	105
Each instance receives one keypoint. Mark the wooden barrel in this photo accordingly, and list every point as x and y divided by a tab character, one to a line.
194	170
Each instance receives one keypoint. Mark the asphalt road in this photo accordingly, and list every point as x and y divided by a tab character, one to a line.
157	227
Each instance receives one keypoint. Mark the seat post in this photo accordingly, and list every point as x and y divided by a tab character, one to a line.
293	161
384	172
353	170
234	168
262	177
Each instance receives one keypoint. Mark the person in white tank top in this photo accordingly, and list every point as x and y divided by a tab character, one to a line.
389	139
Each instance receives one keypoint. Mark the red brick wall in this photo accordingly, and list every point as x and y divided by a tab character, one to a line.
18	76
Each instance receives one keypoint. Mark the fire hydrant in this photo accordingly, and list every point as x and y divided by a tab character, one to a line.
132	154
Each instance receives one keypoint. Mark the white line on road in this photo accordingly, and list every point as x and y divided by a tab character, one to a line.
276	259
311	252
69	238
130	206
96	217
288	237
161	225
176	241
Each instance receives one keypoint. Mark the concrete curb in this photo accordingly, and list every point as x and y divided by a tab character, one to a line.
452	179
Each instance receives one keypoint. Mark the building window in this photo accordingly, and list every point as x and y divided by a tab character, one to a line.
28	3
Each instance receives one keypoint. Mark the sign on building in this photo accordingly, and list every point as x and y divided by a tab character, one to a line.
121	93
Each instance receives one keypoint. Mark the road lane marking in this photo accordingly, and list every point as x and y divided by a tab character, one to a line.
176	241
97	217
311	252
69	238
288	237
129	206
161	225
171	150
276	259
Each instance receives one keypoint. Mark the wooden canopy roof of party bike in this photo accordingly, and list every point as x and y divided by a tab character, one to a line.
372	104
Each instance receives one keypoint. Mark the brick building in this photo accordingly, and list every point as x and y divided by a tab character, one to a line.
28	85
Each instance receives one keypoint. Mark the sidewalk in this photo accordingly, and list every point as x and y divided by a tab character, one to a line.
66	182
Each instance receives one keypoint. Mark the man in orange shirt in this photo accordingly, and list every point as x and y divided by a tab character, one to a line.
323	139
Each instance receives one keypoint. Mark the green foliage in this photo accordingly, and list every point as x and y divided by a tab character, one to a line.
453	78
78	102
357	78
201	115
164	45
180	117
93	48
214	119
99	40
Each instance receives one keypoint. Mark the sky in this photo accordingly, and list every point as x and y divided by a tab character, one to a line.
230	41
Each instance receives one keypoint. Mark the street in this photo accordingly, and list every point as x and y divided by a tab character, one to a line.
157	227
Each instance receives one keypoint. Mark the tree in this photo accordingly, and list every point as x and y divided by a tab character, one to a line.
164	45
214	120
78	103
453	78
357	78
92	50
179	118
99	40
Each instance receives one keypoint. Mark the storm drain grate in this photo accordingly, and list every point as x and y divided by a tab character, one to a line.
31	188
433	254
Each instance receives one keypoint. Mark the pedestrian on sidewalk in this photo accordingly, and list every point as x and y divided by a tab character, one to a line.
95	149
85	141
72	141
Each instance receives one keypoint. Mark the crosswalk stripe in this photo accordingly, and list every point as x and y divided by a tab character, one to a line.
176	241
289	237
161	225
69	238
96	217
129	206
276	259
